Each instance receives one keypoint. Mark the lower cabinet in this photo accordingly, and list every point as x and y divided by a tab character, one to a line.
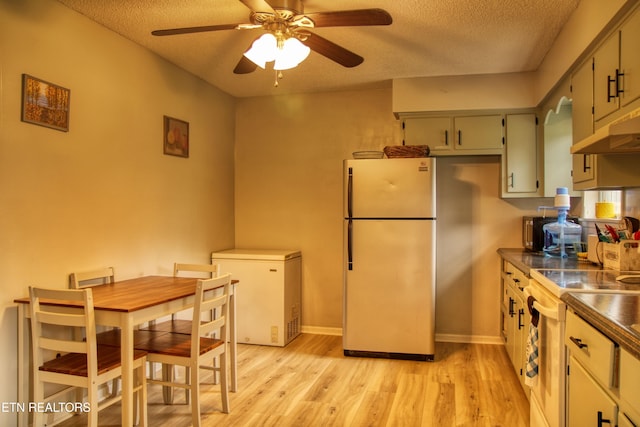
629	390
588	404
593	390
515	318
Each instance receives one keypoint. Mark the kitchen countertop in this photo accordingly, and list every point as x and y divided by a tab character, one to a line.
526	261
615	313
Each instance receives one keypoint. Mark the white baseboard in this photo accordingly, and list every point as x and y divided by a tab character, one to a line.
470	339
321	330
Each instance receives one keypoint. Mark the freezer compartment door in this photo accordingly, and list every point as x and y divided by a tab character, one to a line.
389	188
389	291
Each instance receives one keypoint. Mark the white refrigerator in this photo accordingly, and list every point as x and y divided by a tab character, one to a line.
389	258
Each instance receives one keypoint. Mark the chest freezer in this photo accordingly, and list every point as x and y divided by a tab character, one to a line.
268	293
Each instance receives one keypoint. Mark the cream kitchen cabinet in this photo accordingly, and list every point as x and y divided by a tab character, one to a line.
457	134
477	133
588	404
591	171
629	390
582	101
616	69
592	375
515	318
520	161
436	132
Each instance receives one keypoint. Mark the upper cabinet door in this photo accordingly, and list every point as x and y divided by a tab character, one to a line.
582	104
432	131
630	59
478	132
606	77
522	153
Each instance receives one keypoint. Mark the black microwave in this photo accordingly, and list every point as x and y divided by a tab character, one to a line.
532	233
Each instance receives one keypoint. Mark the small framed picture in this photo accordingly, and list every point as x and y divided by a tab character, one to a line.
45	104
176	137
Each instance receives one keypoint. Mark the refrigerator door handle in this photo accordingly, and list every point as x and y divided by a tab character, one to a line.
350	245
350	194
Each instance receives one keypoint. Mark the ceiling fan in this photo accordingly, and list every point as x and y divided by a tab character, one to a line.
286	23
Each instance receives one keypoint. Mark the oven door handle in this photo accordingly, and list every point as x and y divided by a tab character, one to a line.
549	313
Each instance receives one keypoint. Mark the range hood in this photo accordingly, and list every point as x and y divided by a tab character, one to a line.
619	136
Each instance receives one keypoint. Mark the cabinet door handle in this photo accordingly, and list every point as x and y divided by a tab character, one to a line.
512	312
609	82
618	90
520	316
584	163
602	420
459	137
446	137
512	180
578	342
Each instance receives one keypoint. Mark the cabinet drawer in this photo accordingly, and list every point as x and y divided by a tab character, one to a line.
514	276
594	350
520	280
630	379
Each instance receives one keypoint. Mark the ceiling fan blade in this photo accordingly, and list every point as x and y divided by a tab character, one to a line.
332	51
351	18
258	6
188	30
245	66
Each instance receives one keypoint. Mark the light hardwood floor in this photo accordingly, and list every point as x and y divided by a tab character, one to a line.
310	383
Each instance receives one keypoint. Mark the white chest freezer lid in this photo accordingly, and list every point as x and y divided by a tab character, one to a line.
257	254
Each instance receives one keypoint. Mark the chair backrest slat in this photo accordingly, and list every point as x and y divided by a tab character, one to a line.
60	319
84	279
211	270
65	345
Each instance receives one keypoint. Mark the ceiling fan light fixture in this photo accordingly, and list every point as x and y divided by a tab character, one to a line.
287	53
291	54
263	50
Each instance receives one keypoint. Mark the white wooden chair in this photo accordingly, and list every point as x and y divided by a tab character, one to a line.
90	278
180	325
81	363
84	279
177	325
197	350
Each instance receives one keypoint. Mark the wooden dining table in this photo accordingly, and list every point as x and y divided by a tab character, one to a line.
126	304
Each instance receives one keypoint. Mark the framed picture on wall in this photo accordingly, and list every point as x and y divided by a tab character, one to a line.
45	104
176	137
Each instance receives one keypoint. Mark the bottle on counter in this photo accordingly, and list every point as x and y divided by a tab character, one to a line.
560	236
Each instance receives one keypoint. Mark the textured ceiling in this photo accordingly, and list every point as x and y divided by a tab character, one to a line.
427	38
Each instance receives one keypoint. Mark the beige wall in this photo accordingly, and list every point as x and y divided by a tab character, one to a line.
102	193
289	153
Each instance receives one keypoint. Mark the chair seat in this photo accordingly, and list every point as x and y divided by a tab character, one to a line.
176	326
177	345
112	337
76	363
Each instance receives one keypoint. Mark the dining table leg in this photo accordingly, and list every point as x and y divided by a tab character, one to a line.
24	374
234	340
126	354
